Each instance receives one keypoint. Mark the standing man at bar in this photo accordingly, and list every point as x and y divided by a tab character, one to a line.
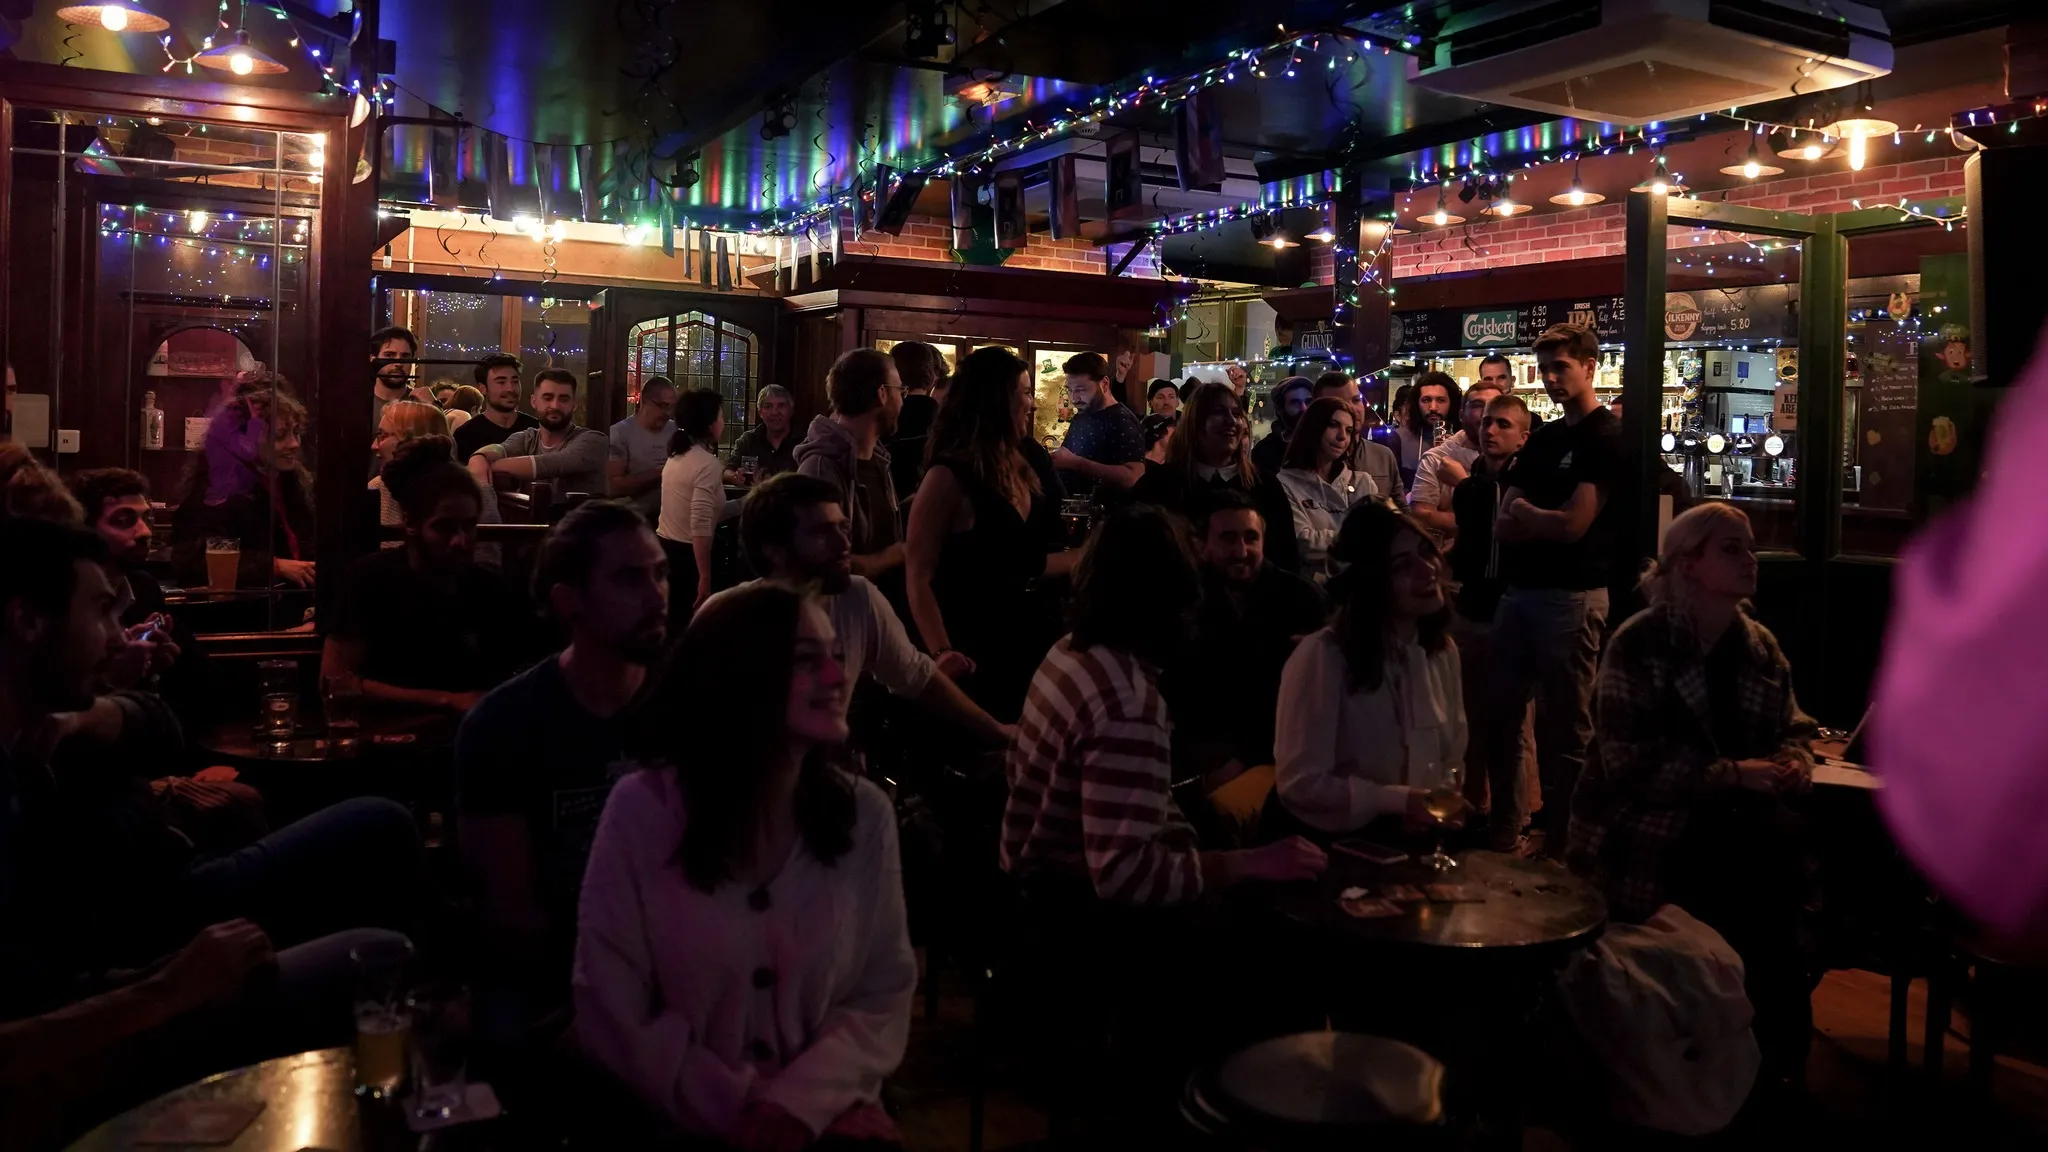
555	449
1104	445
498	376
1289	399
639	448
846	448
1430	500
393	349
1557	533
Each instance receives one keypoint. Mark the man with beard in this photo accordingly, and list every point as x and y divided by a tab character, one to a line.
536	758
794	529
116	503
558	449
1226	690
1105	446
394	350
497	377
846	448
1448	463
1289	400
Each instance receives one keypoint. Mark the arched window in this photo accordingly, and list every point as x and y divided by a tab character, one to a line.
698	350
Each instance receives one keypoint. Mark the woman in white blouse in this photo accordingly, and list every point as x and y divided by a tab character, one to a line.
1371	713
742	958
1320	487
693	499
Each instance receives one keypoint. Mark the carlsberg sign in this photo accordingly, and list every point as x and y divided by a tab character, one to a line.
1483	328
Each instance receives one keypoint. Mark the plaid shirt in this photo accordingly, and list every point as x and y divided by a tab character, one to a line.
1654	753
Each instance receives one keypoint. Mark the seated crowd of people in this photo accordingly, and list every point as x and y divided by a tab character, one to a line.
678	856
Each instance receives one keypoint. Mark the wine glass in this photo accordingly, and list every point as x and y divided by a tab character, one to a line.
1443	796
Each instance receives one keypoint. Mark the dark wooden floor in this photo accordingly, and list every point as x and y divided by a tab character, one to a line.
1854	1104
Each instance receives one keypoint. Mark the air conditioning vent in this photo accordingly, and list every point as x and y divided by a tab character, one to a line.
1633	61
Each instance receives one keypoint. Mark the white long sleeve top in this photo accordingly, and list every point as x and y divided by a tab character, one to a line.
1344	757
797	993
693	496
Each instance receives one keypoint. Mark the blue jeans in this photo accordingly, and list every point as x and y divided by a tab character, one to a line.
1546	645
355	864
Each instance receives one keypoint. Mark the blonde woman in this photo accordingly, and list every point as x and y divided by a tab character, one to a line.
1698	743
402	420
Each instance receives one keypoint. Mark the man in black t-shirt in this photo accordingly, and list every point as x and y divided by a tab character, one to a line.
1556	529
1105	447
536	760
497	376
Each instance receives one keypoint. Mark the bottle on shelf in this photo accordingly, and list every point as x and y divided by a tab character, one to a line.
152	424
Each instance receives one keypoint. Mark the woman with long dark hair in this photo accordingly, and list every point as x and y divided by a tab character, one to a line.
250	485
1320	484
743	961
984	526
693	499
1372	715
424	625
1211	450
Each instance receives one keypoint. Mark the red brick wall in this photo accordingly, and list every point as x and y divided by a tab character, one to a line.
930	238
1587	233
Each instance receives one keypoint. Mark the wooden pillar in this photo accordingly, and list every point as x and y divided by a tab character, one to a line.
344	524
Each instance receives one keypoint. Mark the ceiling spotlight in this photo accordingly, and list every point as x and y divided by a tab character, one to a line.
1752	165
1576	196
927	28
240	58
1262	226
686	171
778	117
120	16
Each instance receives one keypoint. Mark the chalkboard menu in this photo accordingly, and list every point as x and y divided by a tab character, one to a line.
1888	432
1763	312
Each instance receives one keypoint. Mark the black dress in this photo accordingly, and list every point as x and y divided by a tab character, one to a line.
984	588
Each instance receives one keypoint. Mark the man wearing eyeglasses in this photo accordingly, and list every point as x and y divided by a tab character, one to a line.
639	448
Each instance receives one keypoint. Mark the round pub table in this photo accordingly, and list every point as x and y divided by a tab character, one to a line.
1467	974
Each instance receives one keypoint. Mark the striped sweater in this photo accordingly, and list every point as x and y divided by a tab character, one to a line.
1089	772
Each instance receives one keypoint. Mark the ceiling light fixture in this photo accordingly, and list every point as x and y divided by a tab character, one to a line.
1858	127
1322	235
1661	180
1504	208
241	58
1752	165
120	16
1576	196
1814	147
1442	217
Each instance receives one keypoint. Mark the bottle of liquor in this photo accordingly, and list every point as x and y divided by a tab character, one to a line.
152	424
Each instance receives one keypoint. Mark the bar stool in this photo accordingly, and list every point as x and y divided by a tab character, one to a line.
1320	1090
